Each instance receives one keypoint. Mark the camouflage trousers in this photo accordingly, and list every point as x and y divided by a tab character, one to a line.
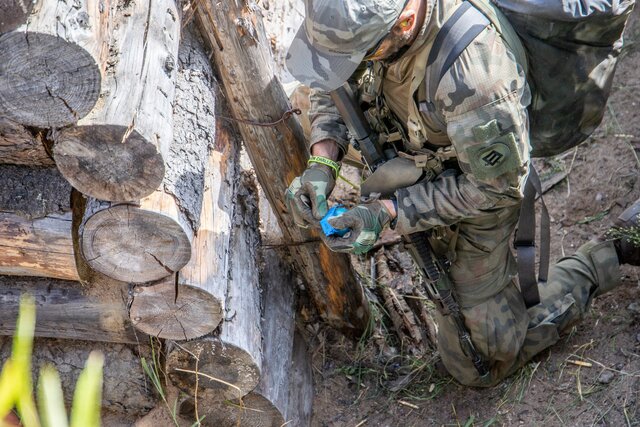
484	276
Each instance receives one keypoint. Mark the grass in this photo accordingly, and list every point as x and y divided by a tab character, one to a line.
158	377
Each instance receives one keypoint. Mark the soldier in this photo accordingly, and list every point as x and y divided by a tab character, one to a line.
473	206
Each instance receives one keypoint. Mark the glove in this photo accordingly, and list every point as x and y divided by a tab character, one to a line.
365	223
306	197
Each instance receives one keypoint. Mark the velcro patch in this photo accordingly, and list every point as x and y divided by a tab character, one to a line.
490	160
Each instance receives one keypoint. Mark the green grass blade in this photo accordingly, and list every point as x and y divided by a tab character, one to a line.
21	362
87	398
51	399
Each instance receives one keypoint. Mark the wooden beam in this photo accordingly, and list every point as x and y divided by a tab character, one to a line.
37	247
236	37
69	310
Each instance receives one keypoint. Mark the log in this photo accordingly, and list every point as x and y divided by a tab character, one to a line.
116	152
37	247
236	37
125	390
50	69
203	281
178	202
228	366
300	406
68	310
128	243
18	146
14	13
268	404
33	192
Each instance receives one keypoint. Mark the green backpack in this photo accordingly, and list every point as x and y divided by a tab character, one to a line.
569	50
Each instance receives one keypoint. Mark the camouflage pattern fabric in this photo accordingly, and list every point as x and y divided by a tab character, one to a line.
502	330
484	99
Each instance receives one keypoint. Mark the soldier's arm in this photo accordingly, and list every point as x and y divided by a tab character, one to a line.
326	123
483	98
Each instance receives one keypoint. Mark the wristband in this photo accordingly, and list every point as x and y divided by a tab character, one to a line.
327	162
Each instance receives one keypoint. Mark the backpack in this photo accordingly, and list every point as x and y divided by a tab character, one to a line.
569	51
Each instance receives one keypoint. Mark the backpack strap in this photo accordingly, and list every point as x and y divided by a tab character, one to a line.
462	27
525	243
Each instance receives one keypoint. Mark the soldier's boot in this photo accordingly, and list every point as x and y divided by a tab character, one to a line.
626	232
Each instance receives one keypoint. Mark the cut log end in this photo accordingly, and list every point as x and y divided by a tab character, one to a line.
225	372
134	245
45	81
156	311
252	410
14	13
109	162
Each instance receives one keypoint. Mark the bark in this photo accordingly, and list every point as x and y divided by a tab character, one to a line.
125	391
116	153
19	146
37	247
236	37
14	13
68	310
33	192
50	69
228	365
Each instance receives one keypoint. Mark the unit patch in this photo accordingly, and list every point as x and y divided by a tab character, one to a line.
498	155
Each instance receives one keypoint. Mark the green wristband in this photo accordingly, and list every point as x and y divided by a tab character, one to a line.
327	162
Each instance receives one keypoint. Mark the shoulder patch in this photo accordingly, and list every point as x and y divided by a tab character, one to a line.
496	156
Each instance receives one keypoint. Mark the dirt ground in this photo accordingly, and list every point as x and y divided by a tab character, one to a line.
355	386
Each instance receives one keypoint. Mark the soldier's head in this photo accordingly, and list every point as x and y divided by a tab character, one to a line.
337	35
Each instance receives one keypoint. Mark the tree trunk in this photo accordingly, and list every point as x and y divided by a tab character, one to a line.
68	310
278	153
37	247
116	153
267	405
50	69
14	13
18	146
125	391
228	365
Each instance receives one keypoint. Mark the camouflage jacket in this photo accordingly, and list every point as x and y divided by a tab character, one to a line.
483	99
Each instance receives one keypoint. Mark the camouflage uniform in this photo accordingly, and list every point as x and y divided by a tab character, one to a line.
474	209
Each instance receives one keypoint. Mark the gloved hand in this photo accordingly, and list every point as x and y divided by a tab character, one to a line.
365	223
306	197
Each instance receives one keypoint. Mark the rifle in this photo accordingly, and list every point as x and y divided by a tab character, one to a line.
433	270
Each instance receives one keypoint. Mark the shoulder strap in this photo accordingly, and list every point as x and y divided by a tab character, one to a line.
462	27
525	243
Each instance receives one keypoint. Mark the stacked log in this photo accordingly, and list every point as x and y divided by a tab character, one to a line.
268	403
197	307
116	152
228	366
50	69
